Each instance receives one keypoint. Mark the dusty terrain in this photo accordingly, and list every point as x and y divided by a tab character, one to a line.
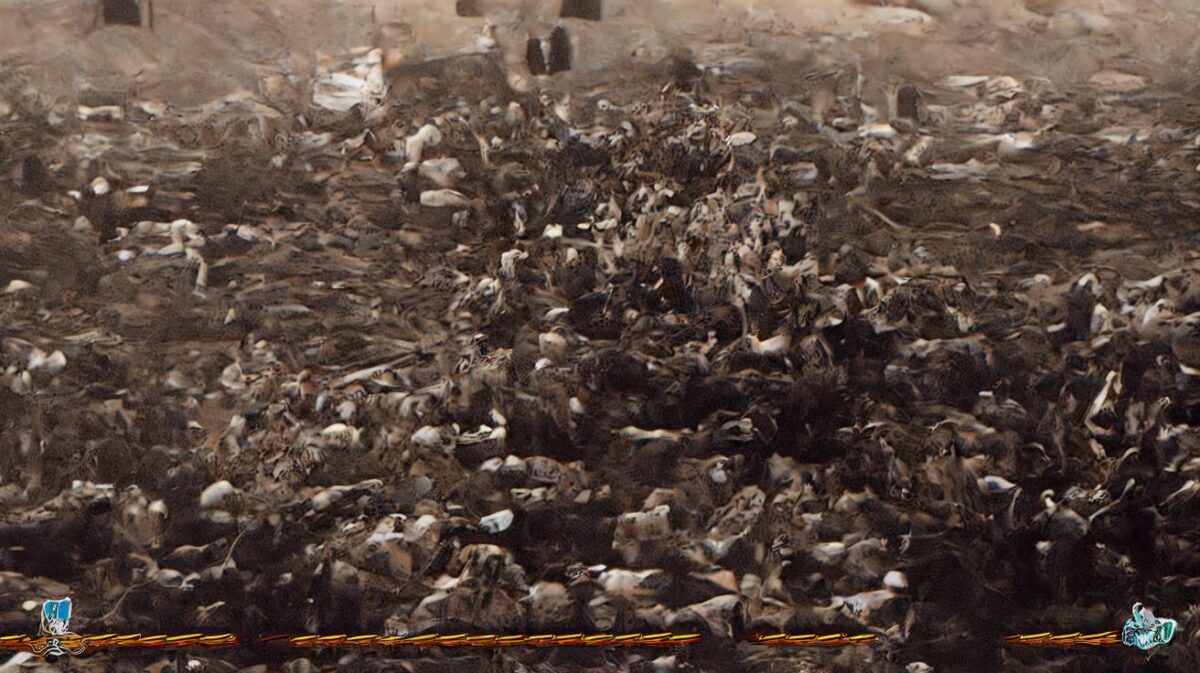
785	327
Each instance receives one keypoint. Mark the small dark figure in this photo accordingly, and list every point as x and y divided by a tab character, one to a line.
122	12
908	103
684	71
535	56
674	288
102	213
560	50
35	179
581	9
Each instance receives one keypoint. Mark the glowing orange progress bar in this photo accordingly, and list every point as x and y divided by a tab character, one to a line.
813	640
665	639
99	643
110	641
1077	639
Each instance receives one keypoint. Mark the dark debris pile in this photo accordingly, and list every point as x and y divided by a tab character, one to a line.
694	358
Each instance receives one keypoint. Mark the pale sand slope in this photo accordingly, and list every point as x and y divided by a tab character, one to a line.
203	48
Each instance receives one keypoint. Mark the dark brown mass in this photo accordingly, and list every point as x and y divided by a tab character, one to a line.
581	9
1185	341
35	179
467	8
908	102
535	56
560	51
122	12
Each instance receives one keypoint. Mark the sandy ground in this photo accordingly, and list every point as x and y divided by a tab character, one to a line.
199	50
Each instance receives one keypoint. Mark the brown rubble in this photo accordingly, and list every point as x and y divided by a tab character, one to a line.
630	359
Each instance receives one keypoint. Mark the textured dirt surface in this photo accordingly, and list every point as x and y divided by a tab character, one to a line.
750	339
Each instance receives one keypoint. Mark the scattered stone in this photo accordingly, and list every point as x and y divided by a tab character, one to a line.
1117	82
498	522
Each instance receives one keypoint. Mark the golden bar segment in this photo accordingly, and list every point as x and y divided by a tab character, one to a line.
812	639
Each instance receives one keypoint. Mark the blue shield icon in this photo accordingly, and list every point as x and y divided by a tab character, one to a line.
56	617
